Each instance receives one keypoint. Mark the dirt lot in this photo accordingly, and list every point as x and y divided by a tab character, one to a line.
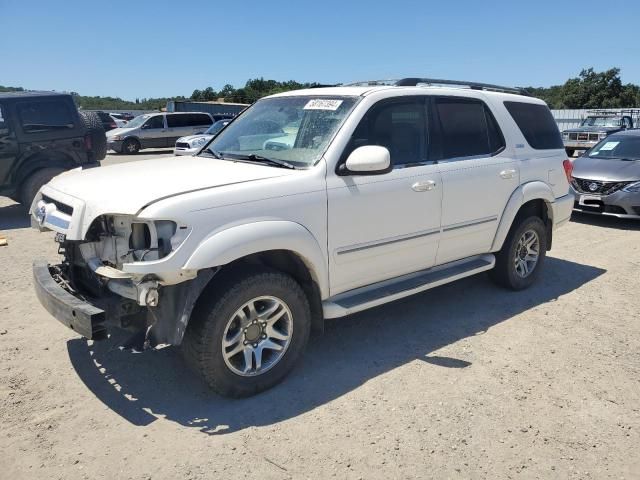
465	381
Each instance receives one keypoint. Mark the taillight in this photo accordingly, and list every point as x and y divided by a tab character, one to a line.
88	144
568	169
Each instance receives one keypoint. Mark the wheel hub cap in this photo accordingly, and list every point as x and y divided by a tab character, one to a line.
527	253
257	336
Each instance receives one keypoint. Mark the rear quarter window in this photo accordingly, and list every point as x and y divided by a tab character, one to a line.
537	124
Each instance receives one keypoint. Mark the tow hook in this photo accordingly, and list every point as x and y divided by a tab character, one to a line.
144	293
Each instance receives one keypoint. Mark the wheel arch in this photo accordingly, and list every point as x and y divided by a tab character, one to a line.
531	199
38	161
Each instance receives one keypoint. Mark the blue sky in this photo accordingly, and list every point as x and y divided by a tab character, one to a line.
149	49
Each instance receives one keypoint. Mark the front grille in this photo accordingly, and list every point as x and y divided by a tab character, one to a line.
61	207
594	136
584	185
182	145
573	136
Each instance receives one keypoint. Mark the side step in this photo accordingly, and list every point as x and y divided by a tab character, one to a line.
389	290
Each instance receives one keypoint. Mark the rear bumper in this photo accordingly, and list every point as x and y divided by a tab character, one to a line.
79	315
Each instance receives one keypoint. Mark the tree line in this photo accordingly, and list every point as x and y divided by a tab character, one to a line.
590	89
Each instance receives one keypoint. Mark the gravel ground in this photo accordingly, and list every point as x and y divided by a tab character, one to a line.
464	381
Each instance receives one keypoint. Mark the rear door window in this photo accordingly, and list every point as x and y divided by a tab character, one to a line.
465	129
199	119
536	124
45	116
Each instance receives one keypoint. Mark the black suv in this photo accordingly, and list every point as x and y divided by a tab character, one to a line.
41	135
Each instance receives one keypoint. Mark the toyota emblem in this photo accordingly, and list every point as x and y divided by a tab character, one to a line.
593	186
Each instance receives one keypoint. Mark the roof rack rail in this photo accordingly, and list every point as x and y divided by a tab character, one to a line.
412	82
614	112
371	83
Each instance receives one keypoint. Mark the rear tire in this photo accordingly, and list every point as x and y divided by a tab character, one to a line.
224	322
32	184
130	146
94	129
521	258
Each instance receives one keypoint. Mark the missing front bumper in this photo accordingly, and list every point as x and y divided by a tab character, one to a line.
76	313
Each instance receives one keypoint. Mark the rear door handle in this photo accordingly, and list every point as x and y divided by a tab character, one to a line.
506	174
423	186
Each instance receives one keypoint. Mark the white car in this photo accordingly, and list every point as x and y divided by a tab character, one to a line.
192	144
238	252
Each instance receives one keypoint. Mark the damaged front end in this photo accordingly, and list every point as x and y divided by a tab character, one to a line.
91	291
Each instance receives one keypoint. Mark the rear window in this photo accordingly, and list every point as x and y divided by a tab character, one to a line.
197	119
45	116
536	124
467	129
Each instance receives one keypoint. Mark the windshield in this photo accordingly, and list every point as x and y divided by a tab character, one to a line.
617	147
294	129
138	121
601	122
216	127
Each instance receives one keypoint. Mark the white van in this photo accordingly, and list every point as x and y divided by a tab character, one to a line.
157	130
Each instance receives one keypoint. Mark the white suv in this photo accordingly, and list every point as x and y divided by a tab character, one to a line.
312	204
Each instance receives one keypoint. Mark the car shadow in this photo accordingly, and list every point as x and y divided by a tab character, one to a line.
605	221
13	217
143	387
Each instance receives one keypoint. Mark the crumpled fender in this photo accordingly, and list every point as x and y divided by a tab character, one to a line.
523	194
236	242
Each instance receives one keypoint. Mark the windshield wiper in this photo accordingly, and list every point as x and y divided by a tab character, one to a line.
211	153
258	158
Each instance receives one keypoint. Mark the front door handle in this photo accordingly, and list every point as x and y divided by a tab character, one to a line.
506	174
423	186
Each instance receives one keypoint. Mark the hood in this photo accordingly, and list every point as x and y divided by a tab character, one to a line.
606	169
190	138
128	187
591	129
120	131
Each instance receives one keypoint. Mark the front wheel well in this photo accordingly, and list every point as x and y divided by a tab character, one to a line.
287	262
537	208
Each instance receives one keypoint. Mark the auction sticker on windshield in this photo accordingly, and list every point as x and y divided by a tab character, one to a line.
320	104
609	146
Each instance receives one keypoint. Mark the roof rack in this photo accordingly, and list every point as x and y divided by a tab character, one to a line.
615	112
412	82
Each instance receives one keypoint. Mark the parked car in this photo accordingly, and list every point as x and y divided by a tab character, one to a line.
597	125
122	116
191	144
42	134
108	122
606	179
238	252
156	130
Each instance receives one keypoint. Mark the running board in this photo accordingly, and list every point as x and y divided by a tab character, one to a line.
389	290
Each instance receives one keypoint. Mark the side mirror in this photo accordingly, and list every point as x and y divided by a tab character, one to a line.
367	160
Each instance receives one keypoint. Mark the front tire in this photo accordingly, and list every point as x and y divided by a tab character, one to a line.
519	262
570	152
130	146
246	338
34	183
